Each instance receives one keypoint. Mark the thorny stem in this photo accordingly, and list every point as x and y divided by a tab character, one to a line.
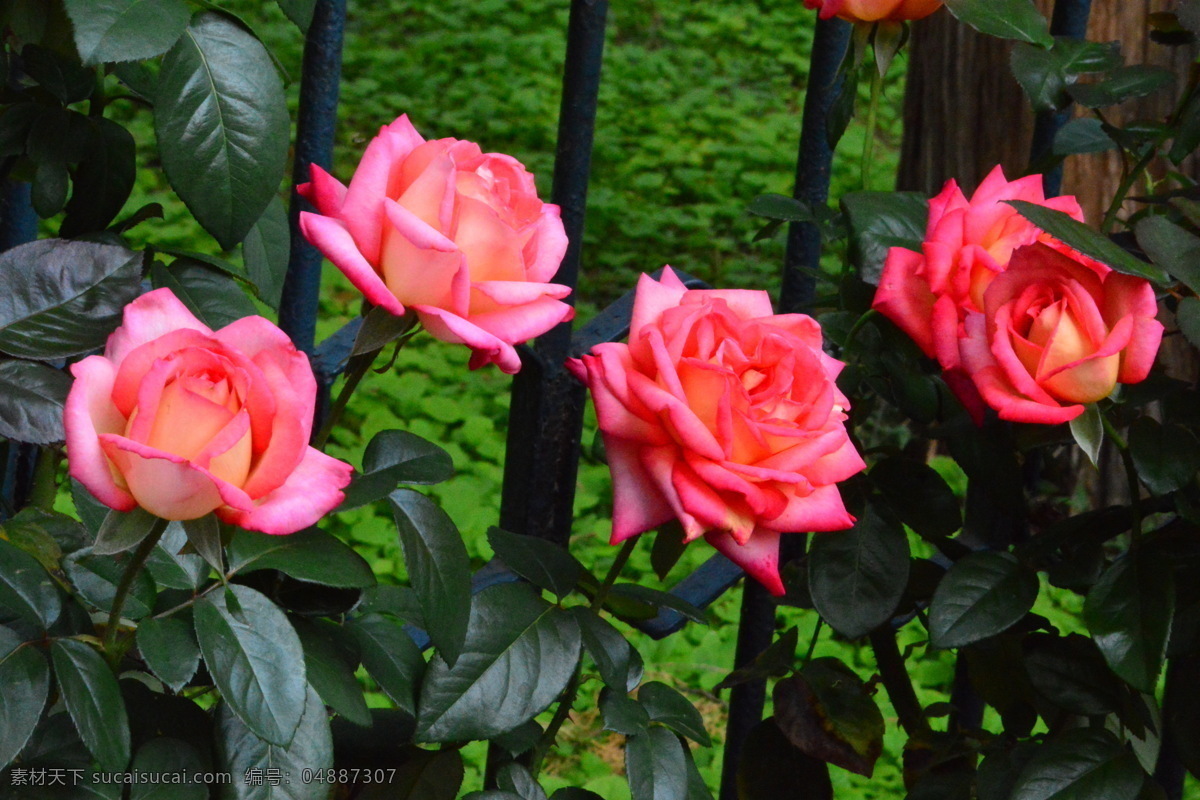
568	696
132	569
1110	217
1131	477
812	643
897	682
45	485
355	371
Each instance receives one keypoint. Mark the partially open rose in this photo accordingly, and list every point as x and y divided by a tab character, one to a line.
725	416
875	10
967	244
182	421
456	234
1056	332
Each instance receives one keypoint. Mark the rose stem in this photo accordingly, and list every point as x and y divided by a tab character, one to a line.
869	138
568	696
897	682
1135	489
45	485
355	370
131	571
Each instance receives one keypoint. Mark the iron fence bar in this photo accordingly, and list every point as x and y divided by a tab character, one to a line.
315	123
546	413
1070	20
814	163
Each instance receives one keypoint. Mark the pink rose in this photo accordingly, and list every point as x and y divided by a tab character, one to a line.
967	244
1055	332
875	10
724	416
456	234
182	420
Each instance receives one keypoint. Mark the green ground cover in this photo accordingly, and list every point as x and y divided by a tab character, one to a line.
699	114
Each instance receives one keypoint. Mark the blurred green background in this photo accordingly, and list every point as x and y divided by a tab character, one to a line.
699	113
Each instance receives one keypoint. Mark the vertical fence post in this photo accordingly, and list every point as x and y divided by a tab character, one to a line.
18	225
546	415
320	76
802	259
1070	19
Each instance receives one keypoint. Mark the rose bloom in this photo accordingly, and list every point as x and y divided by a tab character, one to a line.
967	244
875	10
724	416
1056	332
455	234
182	421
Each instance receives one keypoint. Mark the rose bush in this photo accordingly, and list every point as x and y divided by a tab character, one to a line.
455	234
1056	332
725	416
183	421
875	10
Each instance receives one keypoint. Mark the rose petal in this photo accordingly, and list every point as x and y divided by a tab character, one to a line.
164	484
638	506
333	239
147	318
89	412
759	557
312	490
488	348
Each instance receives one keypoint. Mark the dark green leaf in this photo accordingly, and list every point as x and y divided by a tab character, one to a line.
520	739
827	712
518	655
438	567
222	125
50	184
103	179
618	663
1091	243
517	779
697	788
539	561
123	531
981	595
26	681
300	12
1125	83
919	496
1172	248
257	664
97	578
429	775
125	30
774	662
394	457
622	713
55	73
31	402
667	706
655	766
1080	764
845	93
858	576
1088	431
26	589
168	646
168	757
204	536
93	699
38	532
669	545
308	555
781	207
91	511
1004	19
1166	456
239	751
772	768
880	221
1070	672
1082	135
173	568
60	298
1129	613
1187	137
390	656
331	670
1188	317
998	773
266	251
380	328
658	599
213	297
492	794
575	793
1045	74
